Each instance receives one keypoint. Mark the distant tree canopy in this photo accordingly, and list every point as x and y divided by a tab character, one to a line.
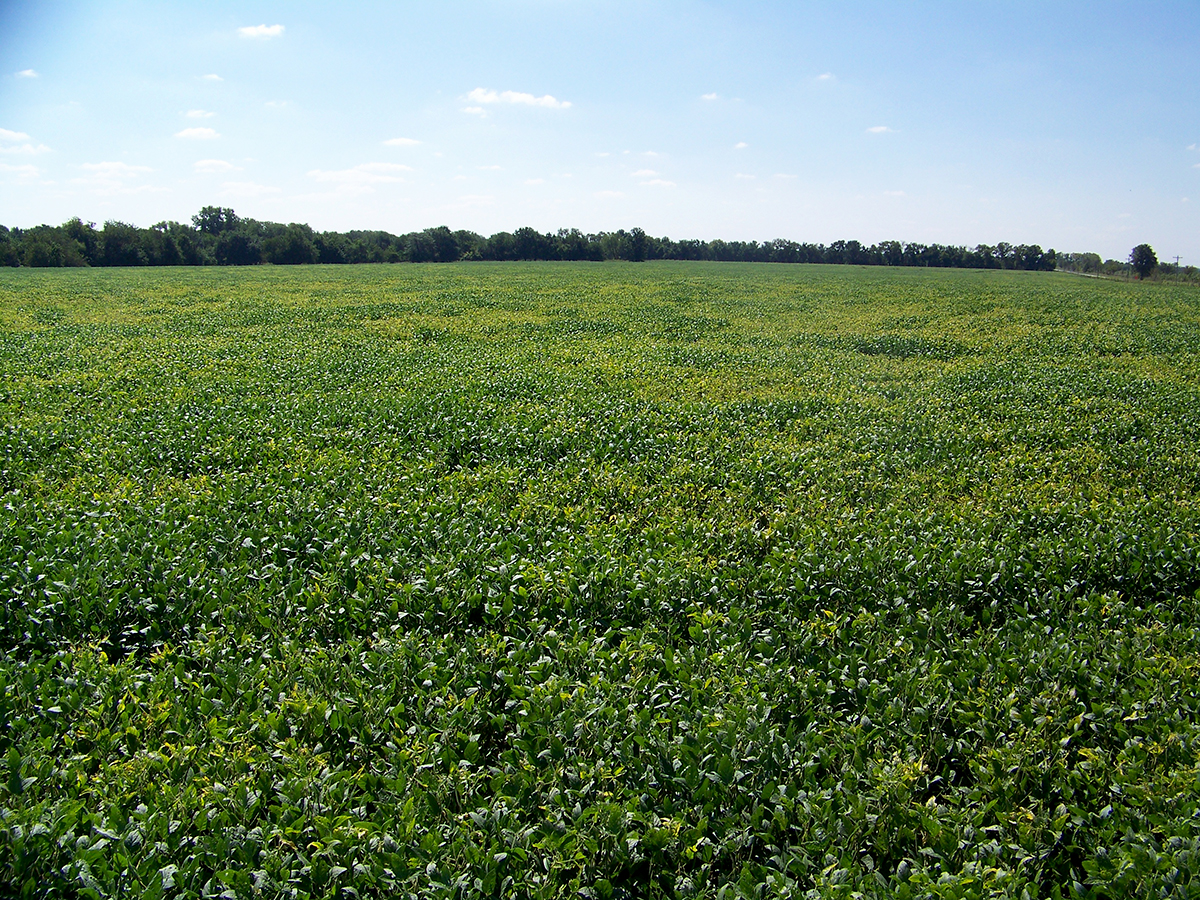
218	236
1143	260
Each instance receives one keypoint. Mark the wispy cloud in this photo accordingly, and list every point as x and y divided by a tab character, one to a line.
644	173
657	182
115	169
740	145
23	172
214	166
879	129
197	134
608	195
475	110
261	32
19	142
26	149
485	95
784	175
744	177
247	189
114	177
535	180
276	104
894	194
712	96
488	168
1192	146
212	78
401	142
470	201
826	77
362	175
26	73
199	114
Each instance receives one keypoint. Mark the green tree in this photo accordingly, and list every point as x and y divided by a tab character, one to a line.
1143	260
40	252
637	245
86	236
215	219
235	248
120	245
293	246
8	249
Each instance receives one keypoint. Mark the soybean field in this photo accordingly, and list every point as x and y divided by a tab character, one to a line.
598	580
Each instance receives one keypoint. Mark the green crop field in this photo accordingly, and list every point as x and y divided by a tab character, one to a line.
610	580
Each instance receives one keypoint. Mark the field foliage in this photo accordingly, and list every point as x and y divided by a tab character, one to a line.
598	580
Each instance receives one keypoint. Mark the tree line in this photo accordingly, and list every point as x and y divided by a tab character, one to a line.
218	236
1142	263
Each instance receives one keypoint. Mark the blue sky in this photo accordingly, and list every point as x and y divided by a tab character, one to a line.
1070	125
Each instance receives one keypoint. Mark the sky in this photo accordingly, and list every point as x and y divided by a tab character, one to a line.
1069	125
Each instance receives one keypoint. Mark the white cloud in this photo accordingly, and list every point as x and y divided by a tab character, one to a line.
744	176
657	182
261	32
708	96
488	168
894	194
784	175
826	76
214	166
247	189
648	153
644	173
474	110
212	77
467	201
28	149
401	142
19	142
112	177
276	104
608	195
199	114
22	173
1192	146
484	95
362	175
26	73
740	145
879	129
1196	166
535	180
197	134
115	169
